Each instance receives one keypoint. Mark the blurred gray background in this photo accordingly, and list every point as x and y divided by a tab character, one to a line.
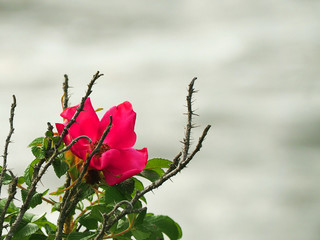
257	63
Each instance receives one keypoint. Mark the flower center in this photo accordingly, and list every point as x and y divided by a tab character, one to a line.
103	148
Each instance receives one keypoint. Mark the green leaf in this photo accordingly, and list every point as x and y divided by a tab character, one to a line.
126	187
28	172
150	175
36	142
38	152
21	180
158	163
81	236
98	210
45	144
138	185
49	134
86	191
55	139
38	218
60	167
112	195
166	225
141	217
89	222
11	209
35	200
38	236
7	178
27	230
139	235
49	229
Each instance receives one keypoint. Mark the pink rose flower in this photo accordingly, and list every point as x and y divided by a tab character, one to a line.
117	159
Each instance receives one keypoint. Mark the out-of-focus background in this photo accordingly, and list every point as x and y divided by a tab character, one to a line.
257	63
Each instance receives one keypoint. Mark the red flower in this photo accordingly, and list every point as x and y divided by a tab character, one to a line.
117	159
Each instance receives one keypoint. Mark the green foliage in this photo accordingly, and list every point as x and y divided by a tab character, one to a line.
140	226
36	142
81	236
155	169
7	179
60	167
28	172
26	231
158	225
156	163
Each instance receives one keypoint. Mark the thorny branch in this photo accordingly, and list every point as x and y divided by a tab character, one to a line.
66	96
67	204
12	192
8	140
179	162
37	174
80	107
65	105
71	197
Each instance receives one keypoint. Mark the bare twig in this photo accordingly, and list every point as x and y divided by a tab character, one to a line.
67	204
12	192
106	217
186	140
80	107
8	140
37	174
179	162
66	96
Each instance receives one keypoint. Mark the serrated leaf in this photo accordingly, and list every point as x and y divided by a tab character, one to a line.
150	175
89	222
126	187
112	195
158	163
35	200
36	142
36	218
38	152
166	225
98	210
60	167
138	184
26	231
28	172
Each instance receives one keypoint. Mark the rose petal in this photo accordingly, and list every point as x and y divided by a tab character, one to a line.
122	133
80	149
87	123
119	165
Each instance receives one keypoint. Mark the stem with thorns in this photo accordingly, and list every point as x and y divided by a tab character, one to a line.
179	162
8	140
37	174
66	204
